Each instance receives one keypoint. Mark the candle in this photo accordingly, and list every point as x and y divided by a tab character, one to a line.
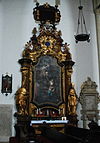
59	111
47	112
37	111
63	110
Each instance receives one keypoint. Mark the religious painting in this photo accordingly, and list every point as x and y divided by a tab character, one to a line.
47	81
6	84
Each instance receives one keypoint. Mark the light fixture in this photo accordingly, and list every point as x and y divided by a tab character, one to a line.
82	34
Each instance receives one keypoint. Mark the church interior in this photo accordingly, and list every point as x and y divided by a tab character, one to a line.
50	78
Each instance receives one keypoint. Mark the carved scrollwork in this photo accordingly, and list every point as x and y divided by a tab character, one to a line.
49	42
89	84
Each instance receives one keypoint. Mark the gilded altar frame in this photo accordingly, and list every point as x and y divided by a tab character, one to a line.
45	86
48	44
46	91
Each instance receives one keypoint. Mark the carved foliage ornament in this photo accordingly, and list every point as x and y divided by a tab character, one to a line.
49	42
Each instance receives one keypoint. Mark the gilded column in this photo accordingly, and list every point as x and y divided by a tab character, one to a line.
67	81
26	65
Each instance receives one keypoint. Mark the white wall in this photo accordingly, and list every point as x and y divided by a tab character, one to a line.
16	24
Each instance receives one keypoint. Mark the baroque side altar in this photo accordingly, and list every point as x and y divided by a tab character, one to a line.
46	92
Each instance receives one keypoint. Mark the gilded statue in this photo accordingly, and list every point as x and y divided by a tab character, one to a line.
21	101
72	101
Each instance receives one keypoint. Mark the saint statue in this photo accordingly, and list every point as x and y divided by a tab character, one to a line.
72	101
21	101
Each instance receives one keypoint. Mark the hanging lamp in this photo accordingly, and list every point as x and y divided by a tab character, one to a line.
82	34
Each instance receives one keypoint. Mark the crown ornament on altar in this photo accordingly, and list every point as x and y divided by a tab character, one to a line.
47	14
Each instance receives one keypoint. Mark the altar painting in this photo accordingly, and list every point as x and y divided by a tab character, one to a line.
47	81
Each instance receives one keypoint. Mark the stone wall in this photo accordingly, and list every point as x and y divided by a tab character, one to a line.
5	122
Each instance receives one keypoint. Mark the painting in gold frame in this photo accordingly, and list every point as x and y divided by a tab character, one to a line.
47	82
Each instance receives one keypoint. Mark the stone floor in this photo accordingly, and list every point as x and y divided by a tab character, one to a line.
3	142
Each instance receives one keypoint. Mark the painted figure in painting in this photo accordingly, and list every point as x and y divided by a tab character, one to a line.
51	88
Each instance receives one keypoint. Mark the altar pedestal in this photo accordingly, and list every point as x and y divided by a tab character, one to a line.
58	124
